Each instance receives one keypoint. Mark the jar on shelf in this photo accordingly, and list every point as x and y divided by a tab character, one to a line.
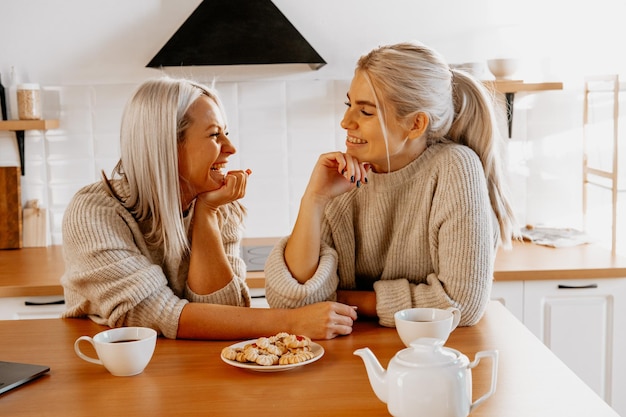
29	101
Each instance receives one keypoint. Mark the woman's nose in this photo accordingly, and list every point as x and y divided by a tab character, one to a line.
227	146
347	122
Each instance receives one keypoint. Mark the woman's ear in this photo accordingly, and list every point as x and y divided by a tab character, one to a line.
420	124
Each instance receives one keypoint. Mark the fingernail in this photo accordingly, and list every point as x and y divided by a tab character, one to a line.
358	184
352	178
343	171
365	180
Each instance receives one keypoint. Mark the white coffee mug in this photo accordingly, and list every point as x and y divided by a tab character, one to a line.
124	351
413	323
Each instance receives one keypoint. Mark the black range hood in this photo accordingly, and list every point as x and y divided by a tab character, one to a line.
236	32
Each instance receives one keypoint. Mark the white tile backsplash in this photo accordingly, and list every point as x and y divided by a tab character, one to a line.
35	192
107	120
70	146
106	145
34	145
262	94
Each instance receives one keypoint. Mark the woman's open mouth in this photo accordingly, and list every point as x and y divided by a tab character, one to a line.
216	172
354	140
218	167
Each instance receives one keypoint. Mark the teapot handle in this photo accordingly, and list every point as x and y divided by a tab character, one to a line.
494	373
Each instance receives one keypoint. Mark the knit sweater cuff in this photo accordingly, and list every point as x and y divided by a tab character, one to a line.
391	296
282	290
232	294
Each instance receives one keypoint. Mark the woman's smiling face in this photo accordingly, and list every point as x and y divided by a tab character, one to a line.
204	152
365	139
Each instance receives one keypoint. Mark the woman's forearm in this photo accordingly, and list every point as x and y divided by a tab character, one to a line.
365	301
222	322
209	269
302	252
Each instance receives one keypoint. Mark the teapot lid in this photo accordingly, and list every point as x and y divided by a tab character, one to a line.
427	351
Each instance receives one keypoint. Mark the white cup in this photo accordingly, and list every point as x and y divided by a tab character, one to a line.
123	351
436	323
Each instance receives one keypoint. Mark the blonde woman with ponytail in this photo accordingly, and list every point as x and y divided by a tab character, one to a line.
158	244
411	214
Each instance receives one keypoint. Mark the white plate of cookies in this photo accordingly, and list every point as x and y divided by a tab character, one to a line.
280	352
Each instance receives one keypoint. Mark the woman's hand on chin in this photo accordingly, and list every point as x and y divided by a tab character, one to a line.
233	188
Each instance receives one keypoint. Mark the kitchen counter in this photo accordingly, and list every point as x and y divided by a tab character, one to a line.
31	271
189	377
528	261
36	271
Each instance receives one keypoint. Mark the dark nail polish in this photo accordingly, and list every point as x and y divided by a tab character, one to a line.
358	184
365	180
352	178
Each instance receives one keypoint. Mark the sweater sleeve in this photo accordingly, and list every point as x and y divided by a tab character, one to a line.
282	290
108	277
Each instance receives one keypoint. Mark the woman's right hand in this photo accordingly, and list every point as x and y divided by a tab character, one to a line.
324	320
336	173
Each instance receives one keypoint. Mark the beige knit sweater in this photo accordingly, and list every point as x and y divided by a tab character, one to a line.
422	236
114	277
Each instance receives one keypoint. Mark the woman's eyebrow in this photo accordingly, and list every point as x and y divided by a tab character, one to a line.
362	102
216	126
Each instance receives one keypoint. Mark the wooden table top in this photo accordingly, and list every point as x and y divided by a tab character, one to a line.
188	378
37	271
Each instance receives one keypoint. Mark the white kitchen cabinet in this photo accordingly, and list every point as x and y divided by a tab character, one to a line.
511	295
584	323
36	307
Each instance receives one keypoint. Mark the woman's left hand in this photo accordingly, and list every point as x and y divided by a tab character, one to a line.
233	188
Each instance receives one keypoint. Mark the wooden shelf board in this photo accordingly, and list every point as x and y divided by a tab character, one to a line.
15	125
515	86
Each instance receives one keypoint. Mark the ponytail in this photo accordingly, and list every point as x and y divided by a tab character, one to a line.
475	125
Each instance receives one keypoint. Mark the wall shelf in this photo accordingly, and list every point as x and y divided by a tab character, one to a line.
19	126
510	87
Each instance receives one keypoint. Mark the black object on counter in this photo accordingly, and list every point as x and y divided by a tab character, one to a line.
3	101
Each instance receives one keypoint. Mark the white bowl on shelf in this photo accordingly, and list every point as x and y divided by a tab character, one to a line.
502	68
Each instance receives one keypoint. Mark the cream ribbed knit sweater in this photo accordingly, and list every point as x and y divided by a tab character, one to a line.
113	276
422	236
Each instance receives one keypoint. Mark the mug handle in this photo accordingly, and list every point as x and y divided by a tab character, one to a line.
81	354
456	317
494	373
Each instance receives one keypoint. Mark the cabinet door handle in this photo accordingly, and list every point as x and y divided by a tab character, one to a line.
576	287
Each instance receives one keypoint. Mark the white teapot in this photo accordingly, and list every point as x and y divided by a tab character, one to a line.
427	379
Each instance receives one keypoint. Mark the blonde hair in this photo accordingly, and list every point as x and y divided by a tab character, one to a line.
409	78
153	126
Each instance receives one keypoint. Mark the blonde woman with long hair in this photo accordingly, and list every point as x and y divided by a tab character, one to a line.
158	244
411	214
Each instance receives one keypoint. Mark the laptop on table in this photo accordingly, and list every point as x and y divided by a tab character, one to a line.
14	374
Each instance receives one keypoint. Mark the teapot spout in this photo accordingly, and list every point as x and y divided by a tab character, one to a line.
375	372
